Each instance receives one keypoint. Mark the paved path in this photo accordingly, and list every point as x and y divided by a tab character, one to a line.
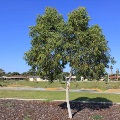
43	89
20	88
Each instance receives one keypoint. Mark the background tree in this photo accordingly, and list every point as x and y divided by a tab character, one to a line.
25	74
15	73
2	72
111	68
9	73
62	77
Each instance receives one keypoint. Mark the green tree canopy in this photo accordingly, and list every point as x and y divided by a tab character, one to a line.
2	72
88	49
56	43
45	55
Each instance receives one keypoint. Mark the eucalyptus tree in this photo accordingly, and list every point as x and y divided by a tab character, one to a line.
45	55
56	43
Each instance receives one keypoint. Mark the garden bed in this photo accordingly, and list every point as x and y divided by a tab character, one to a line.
37	110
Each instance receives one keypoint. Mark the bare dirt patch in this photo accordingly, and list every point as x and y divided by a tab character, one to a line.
16	85
113	90
99	90
59	88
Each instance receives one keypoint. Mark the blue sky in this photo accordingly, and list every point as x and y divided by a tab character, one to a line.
17	15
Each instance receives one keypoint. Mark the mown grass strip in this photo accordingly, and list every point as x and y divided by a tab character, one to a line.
74	85
60	95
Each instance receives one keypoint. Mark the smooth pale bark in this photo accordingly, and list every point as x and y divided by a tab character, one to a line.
108	75
67	96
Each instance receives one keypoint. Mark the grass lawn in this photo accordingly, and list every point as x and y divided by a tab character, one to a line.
74	85
60	95
52	95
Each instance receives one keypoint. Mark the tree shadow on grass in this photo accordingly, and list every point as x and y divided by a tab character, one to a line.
62	82
81	103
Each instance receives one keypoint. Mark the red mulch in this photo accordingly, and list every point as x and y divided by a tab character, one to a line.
36	110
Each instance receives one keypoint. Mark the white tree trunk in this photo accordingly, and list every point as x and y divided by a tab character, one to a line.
108	77
67	96
108	74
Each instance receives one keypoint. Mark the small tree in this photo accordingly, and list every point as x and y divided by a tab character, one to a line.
56	43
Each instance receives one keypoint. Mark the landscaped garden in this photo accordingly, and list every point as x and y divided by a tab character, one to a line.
102	85
49	104
36	110
56	90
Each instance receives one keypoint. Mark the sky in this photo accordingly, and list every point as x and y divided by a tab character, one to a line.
17	15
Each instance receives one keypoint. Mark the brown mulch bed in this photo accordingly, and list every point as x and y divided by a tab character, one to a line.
37	110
